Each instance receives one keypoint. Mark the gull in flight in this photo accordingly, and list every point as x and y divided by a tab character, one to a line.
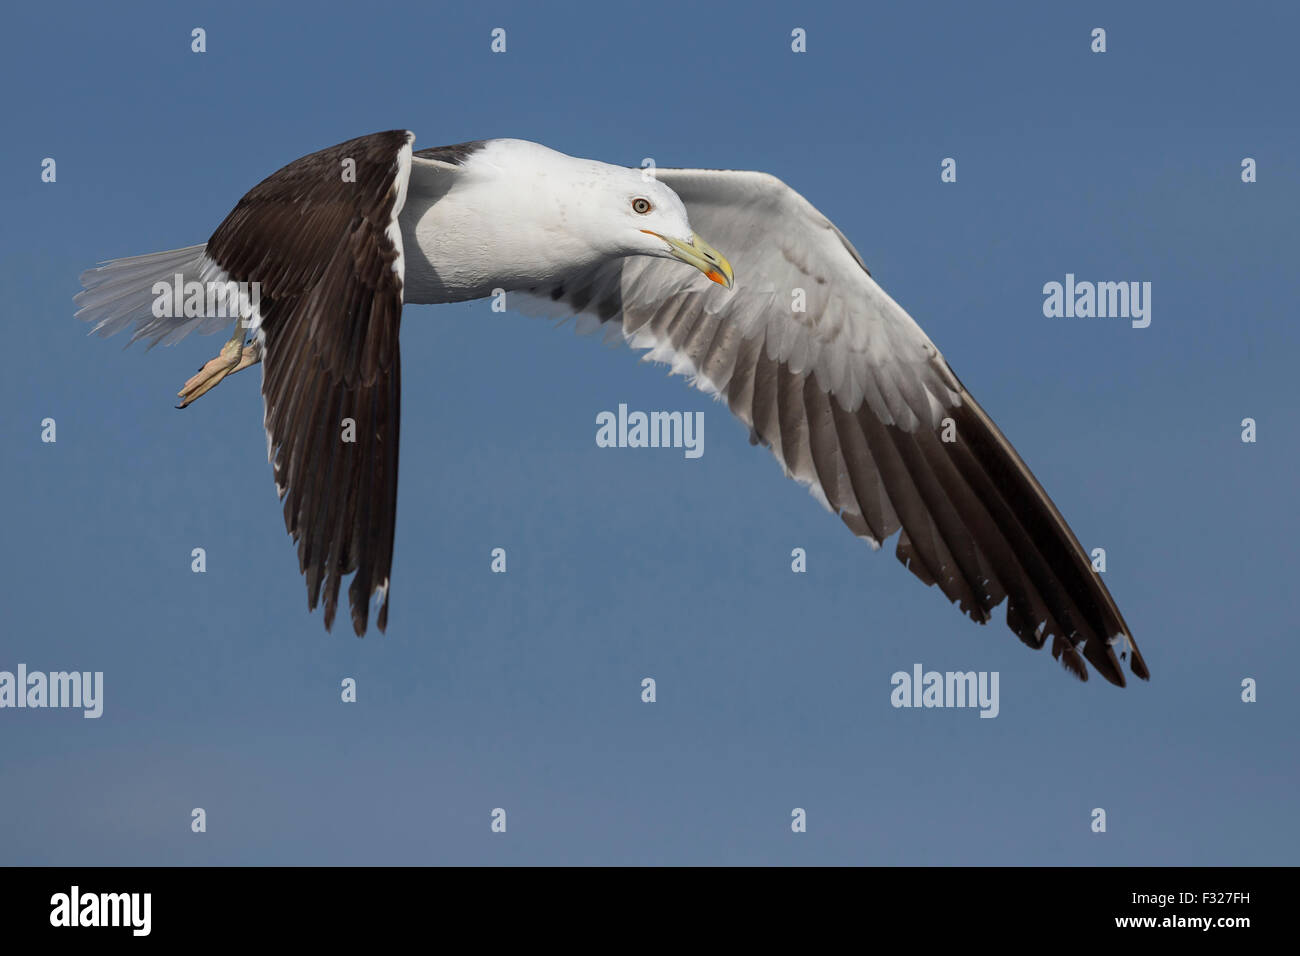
314	265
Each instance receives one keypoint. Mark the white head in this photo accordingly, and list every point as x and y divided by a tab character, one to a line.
578	211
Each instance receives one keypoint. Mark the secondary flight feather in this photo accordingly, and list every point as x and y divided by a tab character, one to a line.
850	395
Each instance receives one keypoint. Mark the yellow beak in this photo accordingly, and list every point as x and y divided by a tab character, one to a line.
700	254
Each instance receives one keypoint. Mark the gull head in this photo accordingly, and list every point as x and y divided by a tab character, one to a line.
522	215
655	212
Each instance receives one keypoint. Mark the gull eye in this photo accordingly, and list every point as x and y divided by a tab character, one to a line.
641	206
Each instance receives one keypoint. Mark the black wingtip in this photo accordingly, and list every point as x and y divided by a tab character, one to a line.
1069	657
1137	665
360	617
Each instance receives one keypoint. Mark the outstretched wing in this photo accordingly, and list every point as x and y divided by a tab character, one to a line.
321	240
858	404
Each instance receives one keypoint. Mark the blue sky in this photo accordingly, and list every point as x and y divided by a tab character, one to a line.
522	690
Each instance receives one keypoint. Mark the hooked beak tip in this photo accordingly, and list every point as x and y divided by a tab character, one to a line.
698	253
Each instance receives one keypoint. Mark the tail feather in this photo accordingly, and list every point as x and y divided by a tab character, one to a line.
119	292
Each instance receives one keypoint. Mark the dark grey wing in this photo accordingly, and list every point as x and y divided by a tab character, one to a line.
327	252
858	404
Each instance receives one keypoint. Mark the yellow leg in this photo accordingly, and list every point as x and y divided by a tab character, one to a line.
234	357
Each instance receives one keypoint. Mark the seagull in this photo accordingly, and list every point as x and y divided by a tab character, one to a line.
315	263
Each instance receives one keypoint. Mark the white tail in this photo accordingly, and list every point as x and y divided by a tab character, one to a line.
121	291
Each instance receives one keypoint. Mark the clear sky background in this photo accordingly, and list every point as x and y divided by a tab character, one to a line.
522	690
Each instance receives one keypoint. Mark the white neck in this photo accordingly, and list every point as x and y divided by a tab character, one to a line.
512	222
